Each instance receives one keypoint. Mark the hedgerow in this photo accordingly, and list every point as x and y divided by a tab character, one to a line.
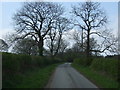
14	65
106	65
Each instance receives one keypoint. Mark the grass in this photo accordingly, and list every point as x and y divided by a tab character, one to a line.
36	78
102	81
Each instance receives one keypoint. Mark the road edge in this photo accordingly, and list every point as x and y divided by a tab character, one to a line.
88	78
50	79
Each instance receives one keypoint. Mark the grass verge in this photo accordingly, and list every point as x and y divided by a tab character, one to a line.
36	78
102	81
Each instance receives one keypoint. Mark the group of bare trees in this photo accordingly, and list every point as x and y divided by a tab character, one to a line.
38	20
45	24
55	41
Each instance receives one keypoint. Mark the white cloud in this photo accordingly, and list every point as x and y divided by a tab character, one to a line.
4	32
115	28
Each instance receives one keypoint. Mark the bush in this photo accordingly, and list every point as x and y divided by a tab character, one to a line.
25	62
79	61
10	63
107	65
15	64
19	62
83	61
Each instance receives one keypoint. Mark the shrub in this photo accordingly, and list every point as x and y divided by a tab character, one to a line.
25	62
15	64
107	65
40	62
20	63
83	61
57	60
9	63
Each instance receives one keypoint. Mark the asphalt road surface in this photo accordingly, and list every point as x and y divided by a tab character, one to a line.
67	77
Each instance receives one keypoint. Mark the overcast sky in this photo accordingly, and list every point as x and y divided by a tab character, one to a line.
7	10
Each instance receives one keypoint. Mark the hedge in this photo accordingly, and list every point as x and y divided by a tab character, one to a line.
107	65
83	60
16	64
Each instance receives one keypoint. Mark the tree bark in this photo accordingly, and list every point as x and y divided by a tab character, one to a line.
82	40
88	44
40	46
51	49
59	41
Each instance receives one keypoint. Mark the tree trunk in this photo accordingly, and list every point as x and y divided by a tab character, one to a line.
40	46
88	58
59	41
51	49
82	40
88	45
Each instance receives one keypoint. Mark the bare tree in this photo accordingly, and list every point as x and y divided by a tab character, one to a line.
63	46
51	41
25	46
93	46
55	35
109	43
35	19
78	38
91	17
3	46
63	25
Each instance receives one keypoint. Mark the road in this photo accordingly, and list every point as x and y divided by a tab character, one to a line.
67	77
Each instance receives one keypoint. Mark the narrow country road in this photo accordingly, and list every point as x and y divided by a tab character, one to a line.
67	77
